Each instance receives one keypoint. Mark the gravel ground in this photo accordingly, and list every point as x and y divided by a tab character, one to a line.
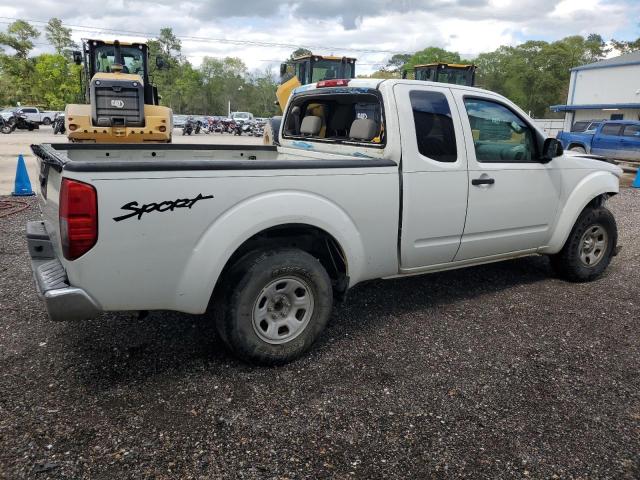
497	371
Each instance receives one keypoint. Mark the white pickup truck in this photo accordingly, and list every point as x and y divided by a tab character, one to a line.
33	114
372	179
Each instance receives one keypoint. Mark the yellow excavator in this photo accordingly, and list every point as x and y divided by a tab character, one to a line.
122	104
458	74
301	71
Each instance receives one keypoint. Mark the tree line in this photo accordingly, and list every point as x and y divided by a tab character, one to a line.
52	80
534	74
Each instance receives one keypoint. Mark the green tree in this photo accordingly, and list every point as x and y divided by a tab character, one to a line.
433	55
60	37
397	62
299	52
16	71
19	36
383	73
536	74
168	47
626	46
56	81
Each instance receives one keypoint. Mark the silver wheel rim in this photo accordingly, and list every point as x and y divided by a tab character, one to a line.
593	245
282	310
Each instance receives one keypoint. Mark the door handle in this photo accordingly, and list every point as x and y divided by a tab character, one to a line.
483	181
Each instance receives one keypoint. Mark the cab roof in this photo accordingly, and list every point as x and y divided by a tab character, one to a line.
451	65
375	83
323	57
99	42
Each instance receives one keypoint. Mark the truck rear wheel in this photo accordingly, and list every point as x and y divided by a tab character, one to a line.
274	305
46	121
589	248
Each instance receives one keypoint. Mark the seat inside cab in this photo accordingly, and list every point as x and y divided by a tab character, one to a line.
341	117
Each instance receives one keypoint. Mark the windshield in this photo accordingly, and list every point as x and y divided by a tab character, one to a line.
132	59
443	75
327	70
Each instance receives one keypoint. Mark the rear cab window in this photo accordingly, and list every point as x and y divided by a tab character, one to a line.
435	134
347	116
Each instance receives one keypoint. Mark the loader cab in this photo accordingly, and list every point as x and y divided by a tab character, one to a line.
314	68
456	74
311	69
121	103
116	57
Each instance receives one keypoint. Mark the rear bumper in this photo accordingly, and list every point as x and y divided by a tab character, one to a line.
62	300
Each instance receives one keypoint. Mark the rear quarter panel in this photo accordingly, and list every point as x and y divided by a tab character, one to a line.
171	259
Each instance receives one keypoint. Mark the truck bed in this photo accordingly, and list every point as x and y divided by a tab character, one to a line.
79	157
169	216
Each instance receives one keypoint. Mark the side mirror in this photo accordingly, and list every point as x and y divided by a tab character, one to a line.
160	63
77	57
283	69
551	149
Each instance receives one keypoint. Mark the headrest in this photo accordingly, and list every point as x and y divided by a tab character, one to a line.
363	129
311	125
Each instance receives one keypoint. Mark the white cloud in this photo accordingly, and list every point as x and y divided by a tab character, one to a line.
468	26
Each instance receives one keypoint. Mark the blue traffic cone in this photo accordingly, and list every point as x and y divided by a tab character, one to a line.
22	185
636	182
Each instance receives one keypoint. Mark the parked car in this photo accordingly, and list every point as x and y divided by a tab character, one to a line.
434	178
179	121
240	117
32	114
615	139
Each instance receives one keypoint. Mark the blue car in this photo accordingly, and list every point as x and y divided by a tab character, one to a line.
618	139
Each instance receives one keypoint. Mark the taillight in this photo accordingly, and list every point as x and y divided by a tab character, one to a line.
78	218
332	83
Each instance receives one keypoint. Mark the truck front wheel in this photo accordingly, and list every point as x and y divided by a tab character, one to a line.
274	305
577	148
589	248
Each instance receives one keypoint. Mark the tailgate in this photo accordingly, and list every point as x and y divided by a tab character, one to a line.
49	180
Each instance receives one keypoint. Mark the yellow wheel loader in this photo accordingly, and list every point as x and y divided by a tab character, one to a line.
455	73
301	71
123	105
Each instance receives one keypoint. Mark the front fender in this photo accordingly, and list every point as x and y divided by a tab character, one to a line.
591	186
254	215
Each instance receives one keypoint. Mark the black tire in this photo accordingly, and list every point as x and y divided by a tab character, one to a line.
46	121
568	263
6	129
244	289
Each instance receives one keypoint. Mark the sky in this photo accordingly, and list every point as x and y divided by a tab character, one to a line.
370	30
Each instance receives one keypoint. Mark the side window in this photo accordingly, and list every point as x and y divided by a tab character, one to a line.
611	129
632	131
499	135
434	126
30	110
579	126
